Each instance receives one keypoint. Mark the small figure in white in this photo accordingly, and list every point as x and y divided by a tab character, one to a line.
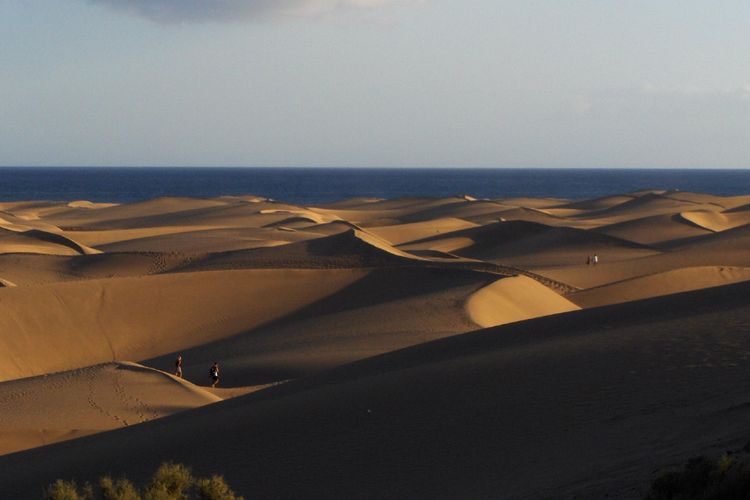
178	366
214	373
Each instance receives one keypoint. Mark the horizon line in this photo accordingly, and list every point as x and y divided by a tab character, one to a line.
357	167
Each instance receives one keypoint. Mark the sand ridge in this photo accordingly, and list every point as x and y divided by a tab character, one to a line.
89	400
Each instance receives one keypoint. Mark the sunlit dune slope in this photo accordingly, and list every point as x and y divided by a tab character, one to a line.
654	230
403	233
664	283
714	250
387	310
118	215
208	240
265	325
647	205
50	408
351	248
600	203
717	221
73	324
525	201
230	212
726	202
514	299
409	210
460	209
40	242
36	269
527	243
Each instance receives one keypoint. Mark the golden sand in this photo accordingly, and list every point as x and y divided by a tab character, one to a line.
375	348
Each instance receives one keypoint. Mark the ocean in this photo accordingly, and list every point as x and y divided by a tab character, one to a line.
308	186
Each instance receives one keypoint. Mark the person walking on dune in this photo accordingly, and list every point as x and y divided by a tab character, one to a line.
595	260
178	366
214	372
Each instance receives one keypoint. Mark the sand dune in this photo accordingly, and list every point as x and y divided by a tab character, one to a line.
654	285
506	402
514	299
344	333
541	216
739	207
707	253
404	233
717	221
726	242
356	202
97	321
208	240
18	224
14	242
84	216
601	203
35	269
331	228
41	242
33	210
463	209
295	222
349	249
6	283
388	212
522	243
726	202
234	316
655	229
89	400
386	310
106	237
647	205
522	201
179	212
90	204
62	240
407	204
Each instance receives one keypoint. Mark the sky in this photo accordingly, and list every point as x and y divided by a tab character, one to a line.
375	83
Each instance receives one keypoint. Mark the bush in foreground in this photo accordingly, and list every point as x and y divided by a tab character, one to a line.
169	482
704	479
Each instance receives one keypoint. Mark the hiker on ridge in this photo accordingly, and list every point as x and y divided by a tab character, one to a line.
214	373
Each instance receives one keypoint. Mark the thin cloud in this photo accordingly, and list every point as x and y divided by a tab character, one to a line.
197	11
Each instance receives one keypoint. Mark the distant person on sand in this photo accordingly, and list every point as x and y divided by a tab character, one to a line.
214	372
178	366
588	260
596	259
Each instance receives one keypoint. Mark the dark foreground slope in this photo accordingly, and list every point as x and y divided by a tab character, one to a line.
579	405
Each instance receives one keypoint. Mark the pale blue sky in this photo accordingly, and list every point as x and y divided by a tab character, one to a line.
577	83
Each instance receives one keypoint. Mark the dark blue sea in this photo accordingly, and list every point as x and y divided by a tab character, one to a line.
308	186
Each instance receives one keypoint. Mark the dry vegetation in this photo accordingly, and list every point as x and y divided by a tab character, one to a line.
170	482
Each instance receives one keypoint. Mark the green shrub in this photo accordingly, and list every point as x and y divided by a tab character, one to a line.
170	482
68	490
122	489
214	488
